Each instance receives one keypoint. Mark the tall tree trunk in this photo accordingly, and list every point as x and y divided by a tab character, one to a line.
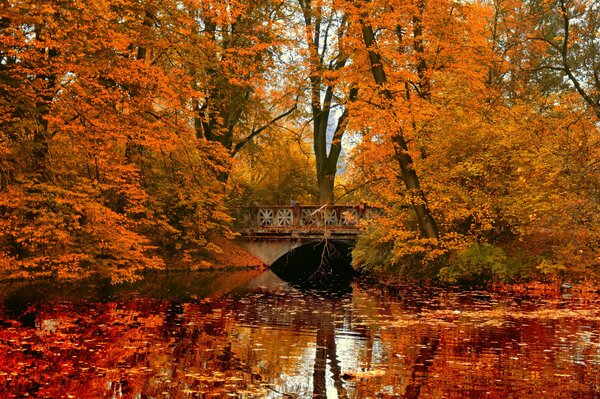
325	172
322	96
326	183
409	176
424	83
41	135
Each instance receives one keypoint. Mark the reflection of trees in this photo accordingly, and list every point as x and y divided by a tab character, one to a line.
285	339
271	344
119	350
326	349
420	369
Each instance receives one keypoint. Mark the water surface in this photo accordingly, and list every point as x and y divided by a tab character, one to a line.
249	335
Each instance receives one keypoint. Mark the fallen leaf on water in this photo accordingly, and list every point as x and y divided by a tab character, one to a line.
355	375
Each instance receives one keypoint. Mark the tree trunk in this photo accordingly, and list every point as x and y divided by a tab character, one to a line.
326	183
409	176
323	98
47	78
411	181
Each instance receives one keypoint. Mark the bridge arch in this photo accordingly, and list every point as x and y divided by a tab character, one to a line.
290	251
316	261
298	239
302	260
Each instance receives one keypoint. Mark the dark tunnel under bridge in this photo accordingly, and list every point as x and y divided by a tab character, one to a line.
306	263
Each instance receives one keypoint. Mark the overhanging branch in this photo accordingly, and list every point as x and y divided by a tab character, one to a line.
261	129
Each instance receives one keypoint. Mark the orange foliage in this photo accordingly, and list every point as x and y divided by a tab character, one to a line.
232	255
498	162
119	120
98	162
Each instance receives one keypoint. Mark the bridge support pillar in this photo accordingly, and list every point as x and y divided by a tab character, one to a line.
268	251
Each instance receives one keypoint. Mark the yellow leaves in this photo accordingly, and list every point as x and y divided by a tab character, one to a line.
490	165
275	168
550	268
119	144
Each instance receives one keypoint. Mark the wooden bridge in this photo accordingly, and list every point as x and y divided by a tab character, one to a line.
271	231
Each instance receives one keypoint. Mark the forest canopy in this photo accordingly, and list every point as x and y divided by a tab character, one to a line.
134	131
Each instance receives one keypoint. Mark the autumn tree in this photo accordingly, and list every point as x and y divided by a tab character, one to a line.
231	59
94	118
401	46
322	28
503	158
276	168
547	62
423	58
408	173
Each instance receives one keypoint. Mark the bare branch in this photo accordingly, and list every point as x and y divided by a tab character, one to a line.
258	131
564	54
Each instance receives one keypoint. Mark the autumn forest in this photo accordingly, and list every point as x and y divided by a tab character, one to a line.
134	133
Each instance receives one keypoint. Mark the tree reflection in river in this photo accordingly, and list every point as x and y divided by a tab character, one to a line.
264	339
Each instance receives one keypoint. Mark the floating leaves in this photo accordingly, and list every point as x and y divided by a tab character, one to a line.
273	341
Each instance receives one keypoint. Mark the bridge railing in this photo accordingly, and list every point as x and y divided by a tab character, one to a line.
306	216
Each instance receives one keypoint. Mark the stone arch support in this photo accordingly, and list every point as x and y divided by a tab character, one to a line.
269	251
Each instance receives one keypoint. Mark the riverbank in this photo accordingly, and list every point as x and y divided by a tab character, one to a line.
226	256
555	288
229	256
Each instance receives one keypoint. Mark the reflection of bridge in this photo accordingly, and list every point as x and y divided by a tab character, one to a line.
270	232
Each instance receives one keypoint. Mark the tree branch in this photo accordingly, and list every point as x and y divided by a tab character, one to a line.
258	131
360	186
564	54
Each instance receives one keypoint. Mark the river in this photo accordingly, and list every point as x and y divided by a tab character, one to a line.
251	335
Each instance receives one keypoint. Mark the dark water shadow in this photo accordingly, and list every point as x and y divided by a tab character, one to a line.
20	300
324	267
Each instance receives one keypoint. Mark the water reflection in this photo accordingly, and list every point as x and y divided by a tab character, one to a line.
318	265
248	336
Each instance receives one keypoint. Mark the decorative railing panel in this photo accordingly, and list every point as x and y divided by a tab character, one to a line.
305	216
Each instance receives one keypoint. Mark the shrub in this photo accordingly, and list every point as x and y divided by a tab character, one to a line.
476	265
